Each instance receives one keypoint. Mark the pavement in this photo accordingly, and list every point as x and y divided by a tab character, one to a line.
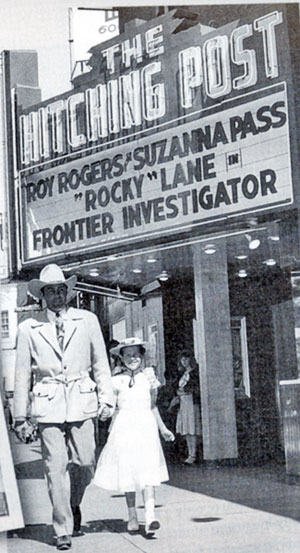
201	509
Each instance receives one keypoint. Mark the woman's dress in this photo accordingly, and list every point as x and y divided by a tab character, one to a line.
132	457
189	418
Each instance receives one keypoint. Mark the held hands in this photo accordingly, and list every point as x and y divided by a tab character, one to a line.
167	435
24	431
105	412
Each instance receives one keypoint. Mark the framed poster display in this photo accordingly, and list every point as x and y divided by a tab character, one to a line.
240	357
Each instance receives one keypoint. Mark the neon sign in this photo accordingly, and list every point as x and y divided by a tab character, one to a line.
138	94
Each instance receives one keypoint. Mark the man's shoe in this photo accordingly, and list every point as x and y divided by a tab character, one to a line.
63	543
77	522
151	526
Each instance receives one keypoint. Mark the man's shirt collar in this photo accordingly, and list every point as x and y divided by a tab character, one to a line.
52	314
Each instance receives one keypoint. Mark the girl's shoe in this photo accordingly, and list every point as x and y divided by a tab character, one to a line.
151	526
132	524
191	459
151	522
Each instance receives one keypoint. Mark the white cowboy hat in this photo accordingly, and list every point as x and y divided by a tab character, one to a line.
50	274
126	343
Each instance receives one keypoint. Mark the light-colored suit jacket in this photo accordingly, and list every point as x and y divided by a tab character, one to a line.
59	382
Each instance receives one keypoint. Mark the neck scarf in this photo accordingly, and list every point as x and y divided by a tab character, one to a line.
132	374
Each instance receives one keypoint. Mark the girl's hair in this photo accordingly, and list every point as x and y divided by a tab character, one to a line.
186	353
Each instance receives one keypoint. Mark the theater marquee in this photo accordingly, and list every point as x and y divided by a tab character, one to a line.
223	162
177	130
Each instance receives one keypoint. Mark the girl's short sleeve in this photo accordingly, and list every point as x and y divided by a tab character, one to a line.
115	384
151	377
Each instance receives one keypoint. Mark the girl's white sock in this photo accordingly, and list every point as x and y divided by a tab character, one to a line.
149	508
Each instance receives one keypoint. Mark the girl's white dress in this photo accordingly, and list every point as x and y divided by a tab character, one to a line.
132	457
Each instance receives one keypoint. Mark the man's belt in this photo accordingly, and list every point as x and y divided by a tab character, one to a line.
61	379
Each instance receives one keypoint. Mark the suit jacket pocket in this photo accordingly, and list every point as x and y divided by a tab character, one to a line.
40	397
88	396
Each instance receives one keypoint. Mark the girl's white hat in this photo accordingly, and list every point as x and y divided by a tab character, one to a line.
134	341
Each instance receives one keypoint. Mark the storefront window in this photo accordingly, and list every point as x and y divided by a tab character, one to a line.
4	324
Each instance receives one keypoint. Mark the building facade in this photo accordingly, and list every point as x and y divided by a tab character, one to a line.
18	78
167	180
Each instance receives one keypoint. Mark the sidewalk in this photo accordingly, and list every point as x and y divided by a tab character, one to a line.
225	510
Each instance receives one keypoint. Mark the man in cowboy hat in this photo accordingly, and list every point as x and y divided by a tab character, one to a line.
57	351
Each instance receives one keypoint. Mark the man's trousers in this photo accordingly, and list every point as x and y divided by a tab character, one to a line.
68	452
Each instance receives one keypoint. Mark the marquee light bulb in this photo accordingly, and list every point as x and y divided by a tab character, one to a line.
210	249
164	276
270	262
254	243
151	260
241	256
94	272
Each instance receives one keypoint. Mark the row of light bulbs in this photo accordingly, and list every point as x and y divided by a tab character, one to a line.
253	244
210	249
163	276
242	273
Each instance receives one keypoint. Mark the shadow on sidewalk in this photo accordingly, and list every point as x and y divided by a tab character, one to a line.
43	533
30	469
114	526
266	488
36	532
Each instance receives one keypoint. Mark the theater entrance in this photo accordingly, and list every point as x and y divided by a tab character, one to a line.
228	299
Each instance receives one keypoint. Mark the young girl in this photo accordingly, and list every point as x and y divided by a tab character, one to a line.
132	458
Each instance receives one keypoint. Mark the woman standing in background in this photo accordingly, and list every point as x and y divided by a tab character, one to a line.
188	421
